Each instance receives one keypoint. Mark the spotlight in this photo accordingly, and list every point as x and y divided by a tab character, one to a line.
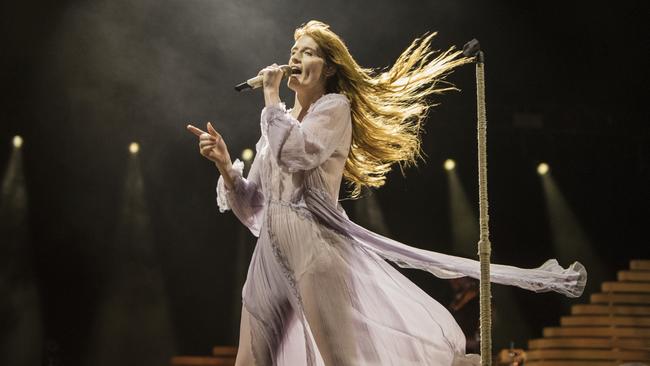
134	147
450	164
247	154
18	142
542	169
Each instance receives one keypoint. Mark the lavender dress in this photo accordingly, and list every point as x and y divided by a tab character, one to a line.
318	283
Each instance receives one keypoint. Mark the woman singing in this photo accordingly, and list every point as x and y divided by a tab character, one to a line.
319	290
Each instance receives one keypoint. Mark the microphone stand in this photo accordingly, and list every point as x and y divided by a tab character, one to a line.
473	49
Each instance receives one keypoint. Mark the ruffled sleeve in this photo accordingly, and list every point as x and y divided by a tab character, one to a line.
245	199
222	192
306	145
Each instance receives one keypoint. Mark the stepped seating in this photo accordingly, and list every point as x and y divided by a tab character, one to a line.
221	356
613	329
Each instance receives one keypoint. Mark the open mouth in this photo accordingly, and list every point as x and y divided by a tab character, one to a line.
295	70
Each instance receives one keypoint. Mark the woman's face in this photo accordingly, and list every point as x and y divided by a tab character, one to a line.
307	56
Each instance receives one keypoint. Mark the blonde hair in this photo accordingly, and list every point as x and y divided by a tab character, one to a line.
388	108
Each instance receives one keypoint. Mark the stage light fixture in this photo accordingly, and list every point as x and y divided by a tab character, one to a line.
247	154
542	169
450	164
17	141
134	147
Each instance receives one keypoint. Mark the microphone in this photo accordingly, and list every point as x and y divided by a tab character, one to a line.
256	82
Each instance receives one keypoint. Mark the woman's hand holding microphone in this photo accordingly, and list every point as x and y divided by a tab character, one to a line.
272	77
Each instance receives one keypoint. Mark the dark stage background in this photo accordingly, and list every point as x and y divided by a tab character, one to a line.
111	259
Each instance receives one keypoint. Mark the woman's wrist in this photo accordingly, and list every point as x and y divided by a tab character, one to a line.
271	97
224	169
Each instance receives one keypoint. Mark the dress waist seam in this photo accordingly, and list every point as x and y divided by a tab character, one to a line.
299	208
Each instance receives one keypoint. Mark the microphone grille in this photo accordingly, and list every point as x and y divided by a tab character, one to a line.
286	70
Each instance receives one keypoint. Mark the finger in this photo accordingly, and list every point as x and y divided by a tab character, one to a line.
264	70
207	137
269	68
203	144
195	130
206	144
212	131
206	151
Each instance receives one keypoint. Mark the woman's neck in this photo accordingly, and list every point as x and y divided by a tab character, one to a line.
303	100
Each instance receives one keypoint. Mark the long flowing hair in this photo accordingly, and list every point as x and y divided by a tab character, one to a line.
388	108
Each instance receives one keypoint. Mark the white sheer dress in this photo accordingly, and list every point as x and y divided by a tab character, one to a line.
319	290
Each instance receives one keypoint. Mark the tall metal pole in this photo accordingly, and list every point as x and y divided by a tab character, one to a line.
472	48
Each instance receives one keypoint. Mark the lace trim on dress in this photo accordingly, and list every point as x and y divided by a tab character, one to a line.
290	277
299	209
222	191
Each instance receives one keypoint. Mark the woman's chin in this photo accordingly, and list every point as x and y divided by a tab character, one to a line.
294	84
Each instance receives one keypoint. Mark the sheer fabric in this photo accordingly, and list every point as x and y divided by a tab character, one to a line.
319	289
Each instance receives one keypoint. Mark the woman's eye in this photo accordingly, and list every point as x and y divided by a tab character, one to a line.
308	53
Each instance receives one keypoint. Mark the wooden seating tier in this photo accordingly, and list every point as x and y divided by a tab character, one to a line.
613	329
